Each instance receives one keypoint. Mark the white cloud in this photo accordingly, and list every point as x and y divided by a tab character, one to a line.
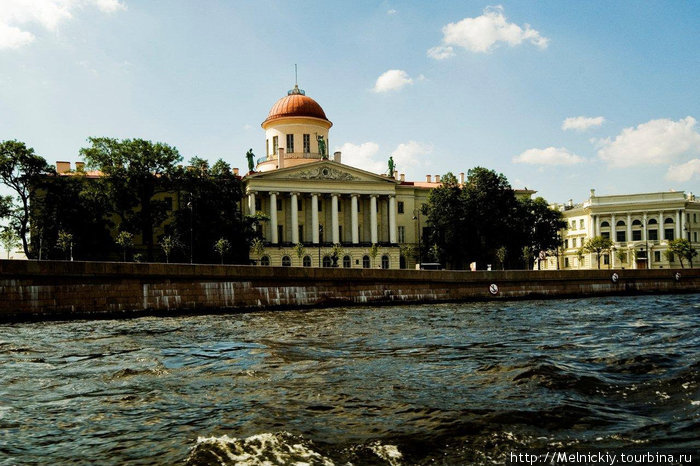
362	156
392	80
391	12
409	155
483	33
582	123
652	143
548	156
684	172
48	14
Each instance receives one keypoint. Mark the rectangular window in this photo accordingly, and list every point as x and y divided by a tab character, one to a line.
267	147
580	224
573	224
657	256
637	235
258	203
290	143
275	144
620	236
400	207
695	220
340	205
566	262
300	205
340	233
653	235
320	204
668	234
301	233
402	234
566	244
279	205
606	259
695	236
280	233
605	234
307	143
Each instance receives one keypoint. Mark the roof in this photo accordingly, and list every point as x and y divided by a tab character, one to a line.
296	104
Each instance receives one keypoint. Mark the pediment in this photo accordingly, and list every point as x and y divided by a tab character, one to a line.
325	170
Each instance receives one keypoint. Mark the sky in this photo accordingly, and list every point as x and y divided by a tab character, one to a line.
559	96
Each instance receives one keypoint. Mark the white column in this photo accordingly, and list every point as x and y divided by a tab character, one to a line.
355	224
334	218
273	218
314	217
683	232
660	232
597	226
629	228
251	203
392	219
678	224
644	230
373	218
295	219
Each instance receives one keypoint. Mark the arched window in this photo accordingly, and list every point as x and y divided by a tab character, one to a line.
604	225
264	260
346	262
636	223
307	261
652	222
402	262
620	223
365	262
385	262
668	220
286	261
327	262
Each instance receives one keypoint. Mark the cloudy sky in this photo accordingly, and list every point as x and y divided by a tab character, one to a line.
559	96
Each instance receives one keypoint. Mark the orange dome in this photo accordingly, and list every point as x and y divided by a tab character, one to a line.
296	104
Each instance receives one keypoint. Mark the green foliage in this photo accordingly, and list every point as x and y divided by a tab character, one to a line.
682	248
336	252
527	256
138	257
598	245
299	250
374	252
168	243
20	168
9	240
222	247
257	247
501	254
125	240
6	206
65	242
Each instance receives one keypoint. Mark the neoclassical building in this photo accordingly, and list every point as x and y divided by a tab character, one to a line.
309	198
639	225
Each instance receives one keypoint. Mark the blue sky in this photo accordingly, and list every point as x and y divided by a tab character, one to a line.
441	86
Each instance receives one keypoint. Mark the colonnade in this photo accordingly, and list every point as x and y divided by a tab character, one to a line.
335	222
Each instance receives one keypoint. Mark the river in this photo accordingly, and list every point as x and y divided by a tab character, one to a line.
468	383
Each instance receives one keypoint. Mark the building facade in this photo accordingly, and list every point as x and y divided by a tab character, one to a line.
640	227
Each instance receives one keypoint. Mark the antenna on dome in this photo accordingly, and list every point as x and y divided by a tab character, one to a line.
296	89
296	78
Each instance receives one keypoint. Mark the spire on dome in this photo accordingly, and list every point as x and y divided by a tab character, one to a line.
296	90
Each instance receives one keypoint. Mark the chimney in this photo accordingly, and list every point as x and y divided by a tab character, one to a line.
437	178
592	192
62	167
396	174
402	178
427	178
336	156
571	202
280	157
235	172
80	166
461	178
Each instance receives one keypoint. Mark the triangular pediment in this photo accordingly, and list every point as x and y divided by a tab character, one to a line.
323	170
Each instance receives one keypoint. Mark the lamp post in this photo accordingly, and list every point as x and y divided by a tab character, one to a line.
420	251
320	242
190	205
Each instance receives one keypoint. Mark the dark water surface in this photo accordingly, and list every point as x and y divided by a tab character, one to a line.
438	384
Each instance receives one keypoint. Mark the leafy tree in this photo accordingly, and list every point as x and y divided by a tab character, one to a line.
683	249
501	256
135	170
257	247
336	252
299	250
65	243
580	253
544	225
125	240
446	218
598	245
9	240
527	256
20	167
169	243
222	247
373	252
5	206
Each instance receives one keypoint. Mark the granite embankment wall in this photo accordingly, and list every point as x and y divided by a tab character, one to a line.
53	289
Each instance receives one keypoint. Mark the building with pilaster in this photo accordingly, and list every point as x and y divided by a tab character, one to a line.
639	225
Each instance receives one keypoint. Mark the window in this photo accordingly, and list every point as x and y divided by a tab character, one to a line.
653	235
668	220
320	204
327	262
290	143
385	262
279	205
657	256
606	259
301	233
605	234
307	143
671	257
695	220
340	233
573	224
695	236
604	225
400	207
264	260
280	233
346	262
402	262
286	261
365	262
636	223
637	235
340	205
668	234
258	203
307	261
566	262
275	144
620	236
267	147
620	223
566	244
652	222
300	205
580	224
402	234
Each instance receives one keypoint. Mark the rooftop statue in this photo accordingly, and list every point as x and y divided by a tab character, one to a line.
250	156
392	167
322	147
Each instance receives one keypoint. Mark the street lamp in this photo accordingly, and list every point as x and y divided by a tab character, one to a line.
320	242
420	252
190	205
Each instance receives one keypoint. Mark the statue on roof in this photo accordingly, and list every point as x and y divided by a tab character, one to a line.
322	147
250	156
392	167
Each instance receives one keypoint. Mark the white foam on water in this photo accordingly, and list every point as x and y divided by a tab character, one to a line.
264	449
389	453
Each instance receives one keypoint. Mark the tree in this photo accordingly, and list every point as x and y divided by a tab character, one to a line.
373	252
168	243
580	253
9	240
125	240
683	249
501	256
446	219
527	256
20	168
5	206
135	170
222	247
65	244
597	245
544	225
336	252
257	247
299	250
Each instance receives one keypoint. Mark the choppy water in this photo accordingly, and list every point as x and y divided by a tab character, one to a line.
439	384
